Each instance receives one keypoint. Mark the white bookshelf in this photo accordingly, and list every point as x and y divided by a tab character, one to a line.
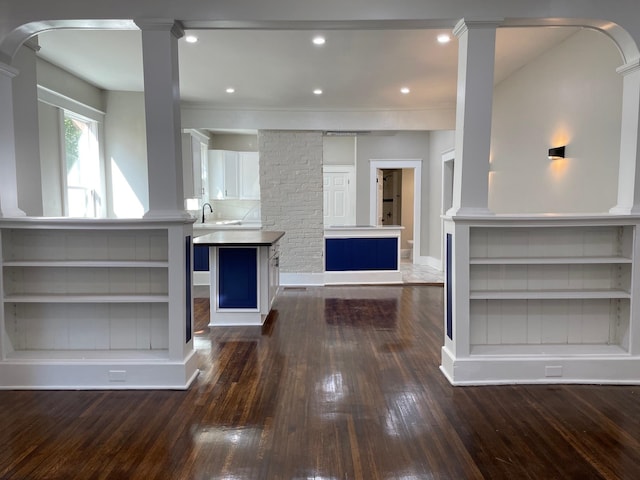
540	290
95	304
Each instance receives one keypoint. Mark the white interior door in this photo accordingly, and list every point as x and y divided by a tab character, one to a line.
339	196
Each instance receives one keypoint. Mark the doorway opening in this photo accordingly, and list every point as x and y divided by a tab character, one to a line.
395	199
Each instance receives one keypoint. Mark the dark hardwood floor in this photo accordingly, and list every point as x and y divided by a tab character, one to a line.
341	383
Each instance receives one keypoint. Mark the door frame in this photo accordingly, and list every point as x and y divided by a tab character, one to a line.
416	165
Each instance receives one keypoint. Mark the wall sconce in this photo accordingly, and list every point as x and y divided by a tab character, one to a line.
557	152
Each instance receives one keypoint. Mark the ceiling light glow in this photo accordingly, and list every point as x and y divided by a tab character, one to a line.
444	38
404	90
230	90
191	39
318	40
317	91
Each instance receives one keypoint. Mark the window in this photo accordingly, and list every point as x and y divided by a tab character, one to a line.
83	179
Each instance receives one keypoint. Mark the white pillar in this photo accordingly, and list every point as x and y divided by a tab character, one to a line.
476	58
628	171
25	117
8	178
162	107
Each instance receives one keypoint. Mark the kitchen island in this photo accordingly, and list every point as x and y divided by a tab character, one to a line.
244	270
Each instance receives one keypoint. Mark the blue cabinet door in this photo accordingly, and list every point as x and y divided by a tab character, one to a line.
237	277
200	258
343	254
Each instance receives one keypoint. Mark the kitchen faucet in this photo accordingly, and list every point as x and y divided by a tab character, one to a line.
210	209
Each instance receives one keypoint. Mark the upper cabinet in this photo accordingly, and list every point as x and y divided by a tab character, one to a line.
195	165
233	175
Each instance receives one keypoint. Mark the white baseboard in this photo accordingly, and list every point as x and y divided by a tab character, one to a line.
301	279
368	277
429	262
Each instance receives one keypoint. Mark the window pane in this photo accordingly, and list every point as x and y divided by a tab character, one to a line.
83	166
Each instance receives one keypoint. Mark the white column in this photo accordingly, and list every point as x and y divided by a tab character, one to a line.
8	177
628	171
25	115
162	106
476	56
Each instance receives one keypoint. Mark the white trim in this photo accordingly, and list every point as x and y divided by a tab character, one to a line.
416	164
301	279
51	97
429	262
368	277
446	191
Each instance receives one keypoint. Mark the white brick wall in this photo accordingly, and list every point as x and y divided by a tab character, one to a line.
291	196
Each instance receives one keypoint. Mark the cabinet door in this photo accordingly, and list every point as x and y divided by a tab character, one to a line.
187	166
249	175
216	174
231	178
196	159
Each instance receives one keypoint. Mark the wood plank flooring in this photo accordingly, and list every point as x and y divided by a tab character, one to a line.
341	383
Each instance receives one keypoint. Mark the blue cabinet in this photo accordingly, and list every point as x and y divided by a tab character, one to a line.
344	254
237	277
200	258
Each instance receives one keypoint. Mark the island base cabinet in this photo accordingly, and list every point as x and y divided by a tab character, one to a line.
245	282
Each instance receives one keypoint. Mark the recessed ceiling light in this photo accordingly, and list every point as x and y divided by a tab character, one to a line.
444	38
230	90
191	39
317	91
405	90
318	40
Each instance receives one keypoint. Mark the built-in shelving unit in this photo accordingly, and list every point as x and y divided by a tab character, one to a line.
541	292
95	304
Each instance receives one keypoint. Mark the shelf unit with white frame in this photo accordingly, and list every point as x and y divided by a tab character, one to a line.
96	303
541	299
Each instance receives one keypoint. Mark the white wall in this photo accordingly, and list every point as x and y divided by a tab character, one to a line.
50	161
292	200
126	154
440	141
338	150
570	95
25	117
234	142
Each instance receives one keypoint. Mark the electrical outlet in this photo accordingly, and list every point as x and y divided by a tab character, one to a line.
553	371
117	375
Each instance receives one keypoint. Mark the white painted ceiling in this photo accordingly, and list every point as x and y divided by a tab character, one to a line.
270	69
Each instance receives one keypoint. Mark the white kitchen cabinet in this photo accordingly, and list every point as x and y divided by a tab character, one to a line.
249	175
194	161
233	175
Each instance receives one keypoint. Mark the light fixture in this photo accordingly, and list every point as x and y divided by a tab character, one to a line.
318	40
404	90
443	38
317	91
557	152
191	39
230	90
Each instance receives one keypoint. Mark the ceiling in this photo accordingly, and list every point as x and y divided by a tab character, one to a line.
279	69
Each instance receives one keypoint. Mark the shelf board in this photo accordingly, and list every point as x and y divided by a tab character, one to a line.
549	260
26	356
560	350
88	263
546	294
88	298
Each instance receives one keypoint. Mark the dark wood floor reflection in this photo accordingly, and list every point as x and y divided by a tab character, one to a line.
320	393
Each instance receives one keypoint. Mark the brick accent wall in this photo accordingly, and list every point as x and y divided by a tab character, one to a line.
291	196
